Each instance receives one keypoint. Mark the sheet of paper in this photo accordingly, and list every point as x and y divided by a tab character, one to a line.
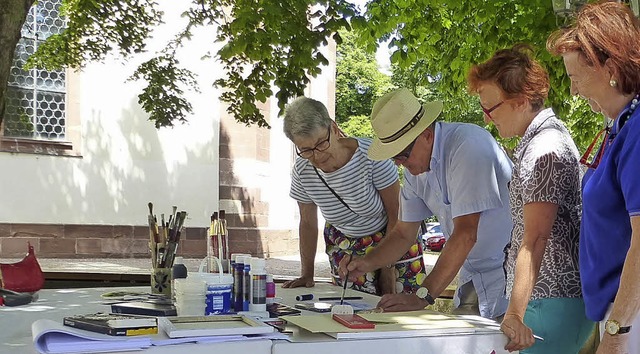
391	324
54	337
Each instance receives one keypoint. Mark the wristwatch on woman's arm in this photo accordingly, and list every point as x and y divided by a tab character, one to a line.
613	327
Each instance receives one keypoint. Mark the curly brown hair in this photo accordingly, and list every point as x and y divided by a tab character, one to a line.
515	72
604	31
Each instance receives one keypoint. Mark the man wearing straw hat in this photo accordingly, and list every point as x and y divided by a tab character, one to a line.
457	172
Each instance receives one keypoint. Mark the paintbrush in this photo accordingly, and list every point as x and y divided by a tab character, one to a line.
164	229
183	216
225	240
346	281
153	238
175	209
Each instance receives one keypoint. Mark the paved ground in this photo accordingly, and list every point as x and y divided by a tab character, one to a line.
282	267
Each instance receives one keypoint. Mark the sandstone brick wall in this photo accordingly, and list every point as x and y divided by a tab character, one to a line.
87	241
117	241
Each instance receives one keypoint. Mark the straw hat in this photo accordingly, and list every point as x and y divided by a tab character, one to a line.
397	119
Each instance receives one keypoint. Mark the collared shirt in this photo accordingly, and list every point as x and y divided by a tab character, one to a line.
357	183
546	169
610	197
469	173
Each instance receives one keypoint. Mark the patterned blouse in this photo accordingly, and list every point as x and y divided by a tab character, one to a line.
546	169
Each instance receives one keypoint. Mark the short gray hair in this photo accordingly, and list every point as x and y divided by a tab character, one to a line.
303	116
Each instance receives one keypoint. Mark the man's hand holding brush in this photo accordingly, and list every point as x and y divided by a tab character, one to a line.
353	267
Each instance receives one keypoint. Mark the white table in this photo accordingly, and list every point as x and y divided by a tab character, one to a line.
487	338
15	323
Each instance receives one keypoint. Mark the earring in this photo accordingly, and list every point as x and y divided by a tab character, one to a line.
613	83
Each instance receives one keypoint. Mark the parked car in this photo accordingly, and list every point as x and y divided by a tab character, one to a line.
432	237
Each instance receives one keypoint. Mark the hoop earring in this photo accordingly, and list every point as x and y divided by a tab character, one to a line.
613	83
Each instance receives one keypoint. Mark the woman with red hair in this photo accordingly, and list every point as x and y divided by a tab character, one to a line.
543	281
601	54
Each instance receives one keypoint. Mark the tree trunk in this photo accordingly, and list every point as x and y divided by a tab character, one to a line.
13	13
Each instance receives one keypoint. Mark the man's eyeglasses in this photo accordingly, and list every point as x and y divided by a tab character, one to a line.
404	154
595	160
321	146
488	111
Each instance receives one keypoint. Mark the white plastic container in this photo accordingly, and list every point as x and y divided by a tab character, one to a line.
218	289
218	293
190	295
258	275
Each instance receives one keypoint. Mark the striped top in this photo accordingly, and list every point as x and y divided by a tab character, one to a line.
357	183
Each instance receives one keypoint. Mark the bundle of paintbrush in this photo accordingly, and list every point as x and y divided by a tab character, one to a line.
217	242
164	239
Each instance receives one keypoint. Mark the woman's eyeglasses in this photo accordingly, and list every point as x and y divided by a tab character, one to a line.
595	160
488	111
321	146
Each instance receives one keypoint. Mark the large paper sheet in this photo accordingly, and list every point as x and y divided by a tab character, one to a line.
388	325
52	337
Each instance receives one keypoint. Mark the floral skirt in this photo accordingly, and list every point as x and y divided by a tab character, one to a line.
410	271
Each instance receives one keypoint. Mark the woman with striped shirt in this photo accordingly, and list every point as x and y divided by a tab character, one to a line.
358	198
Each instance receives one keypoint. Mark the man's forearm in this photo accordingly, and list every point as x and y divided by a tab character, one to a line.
449	263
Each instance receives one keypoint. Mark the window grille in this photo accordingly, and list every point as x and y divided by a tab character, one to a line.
36	99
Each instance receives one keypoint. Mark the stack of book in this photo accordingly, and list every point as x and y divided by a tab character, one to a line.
114	324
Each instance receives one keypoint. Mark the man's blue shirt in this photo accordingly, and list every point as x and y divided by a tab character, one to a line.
469	173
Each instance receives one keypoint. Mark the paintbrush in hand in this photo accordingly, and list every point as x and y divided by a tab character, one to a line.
346	281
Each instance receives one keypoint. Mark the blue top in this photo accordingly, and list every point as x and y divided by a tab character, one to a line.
469	173
610	196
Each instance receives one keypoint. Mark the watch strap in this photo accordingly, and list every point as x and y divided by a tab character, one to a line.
430	299
624	330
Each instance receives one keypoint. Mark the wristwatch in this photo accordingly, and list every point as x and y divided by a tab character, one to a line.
423	293
613	327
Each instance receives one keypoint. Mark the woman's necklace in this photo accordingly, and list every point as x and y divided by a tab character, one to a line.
623	118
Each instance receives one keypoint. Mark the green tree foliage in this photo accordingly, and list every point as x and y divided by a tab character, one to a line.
436	41
359	83
359	126
277	42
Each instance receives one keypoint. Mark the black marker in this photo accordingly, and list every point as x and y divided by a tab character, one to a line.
304	297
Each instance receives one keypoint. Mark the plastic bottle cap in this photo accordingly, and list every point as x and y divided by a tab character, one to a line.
179	271
245	259
269	278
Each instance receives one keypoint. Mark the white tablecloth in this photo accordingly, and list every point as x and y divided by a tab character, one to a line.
15	322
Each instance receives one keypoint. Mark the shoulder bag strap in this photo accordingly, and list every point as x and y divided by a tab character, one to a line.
332	191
